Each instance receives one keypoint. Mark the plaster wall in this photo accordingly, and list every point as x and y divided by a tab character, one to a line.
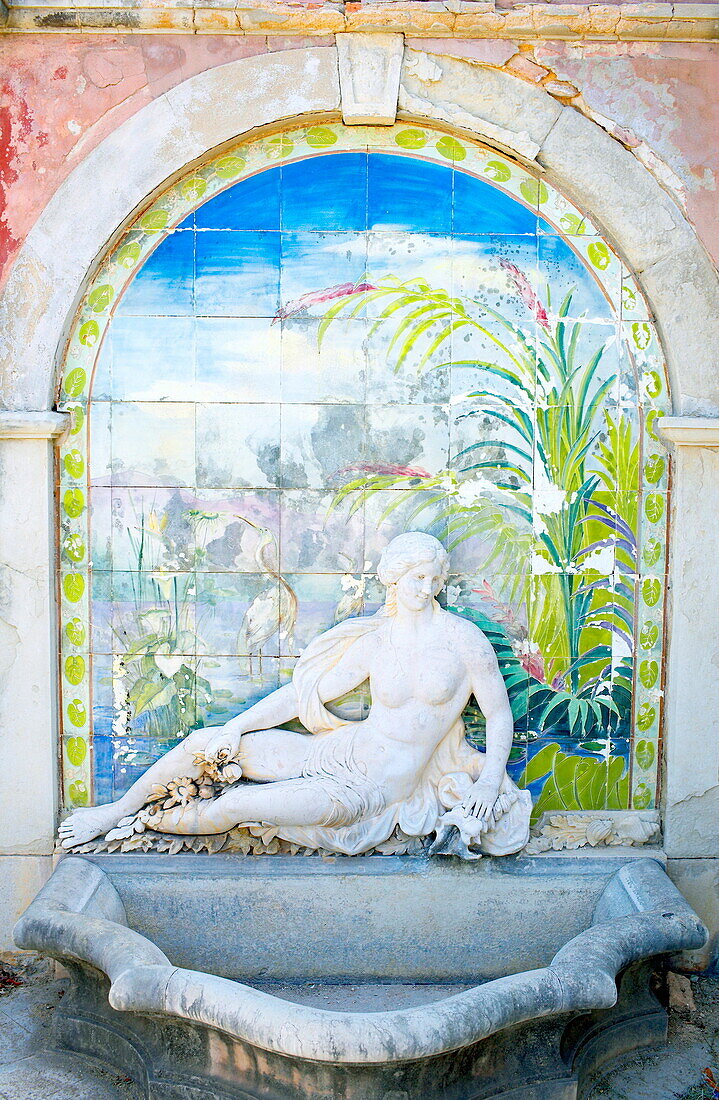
48	135
61	96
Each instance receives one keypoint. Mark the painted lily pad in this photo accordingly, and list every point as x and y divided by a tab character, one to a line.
74	464
648	673
77	712
75	381
645	754
498	170
653	384
649	635
641	334
652	552
651	591
646	716
74	668
281	145
101	297
599	255
73	502
75	631
78	794
411	139
534	191
89	333
77	419
642	797
654	507
129	254
573	224
450	148
652	418
76	749
229	167
319	137
73	586
154	221
654	468
193	189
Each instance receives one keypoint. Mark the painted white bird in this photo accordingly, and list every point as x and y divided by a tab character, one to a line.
274	609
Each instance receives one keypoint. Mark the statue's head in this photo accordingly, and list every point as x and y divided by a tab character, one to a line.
406	552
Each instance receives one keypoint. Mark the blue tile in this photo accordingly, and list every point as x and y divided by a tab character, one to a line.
153	359
403	193
237	274
328	192
253	203
481	208
163	287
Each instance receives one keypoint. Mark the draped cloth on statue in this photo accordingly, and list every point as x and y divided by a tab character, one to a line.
361	819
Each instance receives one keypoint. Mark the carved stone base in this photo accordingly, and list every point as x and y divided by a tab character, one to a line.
556	832
176	1060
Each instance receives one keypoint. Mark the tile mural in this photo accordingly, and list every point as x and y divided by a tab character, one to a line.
310	345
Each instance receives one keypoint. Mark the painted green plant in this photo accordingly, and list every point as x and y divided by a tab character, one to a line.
160	679
539	707
537	484
576	782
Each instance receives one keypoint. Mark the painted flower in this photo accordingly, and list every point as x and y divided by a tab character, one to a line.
385	469
315	297
526	292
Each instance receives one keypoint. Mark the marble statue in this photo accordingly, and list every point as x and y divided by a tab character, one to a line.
348	786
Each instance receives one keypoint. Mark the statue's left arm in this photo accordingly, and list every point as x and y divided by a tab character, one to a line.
491	695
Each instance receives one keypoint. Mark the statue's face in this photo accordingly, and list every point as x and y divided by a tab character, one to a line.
418	585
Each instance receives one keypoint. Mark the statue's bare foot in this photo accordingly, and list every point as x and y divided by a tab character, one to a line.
84	825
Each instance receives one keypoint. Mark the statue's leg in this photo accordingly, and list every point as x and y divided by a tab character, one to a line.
288	802
266	755
269	755
85	824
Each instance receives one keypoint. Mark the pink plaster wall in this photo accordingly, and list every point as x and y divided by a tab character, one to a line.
668	95
61	95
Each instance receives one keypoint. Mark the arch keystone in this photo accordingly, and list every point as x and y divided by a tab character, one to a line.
369	66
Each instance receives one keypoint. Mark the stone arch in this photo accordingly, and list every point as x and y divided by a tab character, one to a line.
206	111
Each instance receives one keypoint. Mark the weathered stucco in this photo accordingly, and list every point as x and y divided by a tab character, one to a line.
62	96
627	129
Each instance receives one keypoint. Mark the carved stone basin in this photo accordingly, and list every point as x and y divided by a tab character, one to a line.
374	978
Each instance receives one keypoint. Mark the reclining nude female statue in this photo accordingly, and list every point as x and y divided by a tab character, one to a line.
346	786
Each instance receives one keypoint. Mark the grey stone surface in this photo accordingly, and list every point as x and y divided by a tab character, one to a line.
372	918
369	68
698	880
483	101
691	787
79	916
600	175
674	1071
684	291
55	1075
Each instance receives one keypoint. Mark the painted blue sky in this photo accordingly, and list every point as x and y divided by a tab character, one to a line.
198	310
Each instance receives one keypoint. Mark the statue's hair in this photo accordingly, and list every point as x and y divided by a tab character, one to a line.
405	552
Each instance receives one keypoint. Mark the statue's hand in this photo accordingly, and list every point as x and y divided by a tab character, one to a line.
225	745
480	801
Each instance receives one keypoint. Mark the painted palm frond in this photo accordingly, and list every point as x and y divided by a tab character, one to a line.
536	484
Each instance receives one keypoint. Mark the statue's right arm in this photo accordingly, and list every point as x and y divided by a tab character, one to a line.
275	709
282	705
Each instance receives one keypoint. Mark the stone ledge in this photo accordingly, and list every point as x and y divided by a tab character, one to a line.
33	425
690	431
436	18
